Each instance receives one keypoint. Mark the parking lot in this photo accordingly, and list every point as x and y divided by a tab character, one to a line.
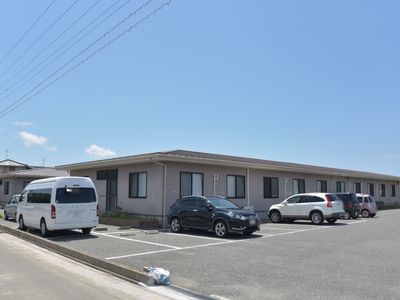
352	259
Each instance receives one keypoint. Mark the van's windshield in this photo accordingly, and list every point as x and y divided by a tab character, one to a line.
75	195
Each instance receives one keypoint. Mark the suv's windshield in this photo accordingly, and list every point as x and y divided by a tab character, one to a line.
75	195
222	203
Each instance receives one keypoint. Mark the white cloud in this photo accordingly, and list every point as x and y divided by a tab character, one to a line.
31	139
98	151
23	123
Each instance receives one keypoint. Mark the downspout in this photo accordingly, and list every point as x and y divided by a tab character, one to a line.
164	191
248	186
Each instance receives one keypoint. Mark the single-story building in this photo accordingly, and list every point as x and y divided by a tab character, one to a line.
148	184
13	182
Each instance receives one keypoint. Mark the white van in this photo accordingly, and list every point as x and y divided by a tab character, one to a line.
59	203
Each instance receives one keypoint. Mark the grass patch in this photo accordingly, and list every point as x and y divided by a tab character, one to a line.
123	215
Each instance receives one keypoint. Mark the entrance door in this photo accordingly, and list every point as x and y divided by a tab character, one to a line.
111	194
111	177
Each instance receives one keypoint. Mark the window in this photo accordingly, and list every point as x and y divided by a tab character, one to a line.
138	185
357	187
322	186
340	187
75	195
299	186
271	187
382	190
191	184
393	193
235	186
371	189
6	187
39	196
292	200
1	181
315	199
107	174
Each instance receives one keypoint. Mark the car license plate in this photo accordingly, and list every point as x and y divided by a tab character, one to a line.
252	222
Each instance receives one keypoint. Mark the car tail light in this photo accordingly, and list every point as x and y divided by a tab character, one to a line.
97	210
329	203
53	211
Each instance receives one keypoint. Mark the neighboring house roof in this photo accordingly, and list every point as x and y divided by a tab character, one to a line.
35	173
223	160
11	163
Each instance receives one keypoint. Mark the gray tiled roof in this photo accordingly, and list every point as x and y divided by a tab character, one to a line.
225	160
11	163
37	172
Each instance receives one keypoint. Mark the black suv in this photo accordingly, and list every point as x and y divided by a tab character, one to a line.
350	203
213	213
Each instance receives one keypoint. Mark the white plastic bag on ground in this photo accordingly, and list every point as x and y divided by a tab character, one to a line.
160	275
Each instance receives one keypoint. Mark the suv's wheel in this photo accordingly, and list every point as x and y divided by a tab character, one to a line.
331	220
355	215
5	217
21	224
221	229
176	225
317	218
275	216
86	230
346	215
43	228
365	213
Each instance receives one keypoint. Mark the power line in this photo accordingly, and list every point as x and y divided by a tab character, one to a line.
20	101
26	32
37	40
62	46
49	45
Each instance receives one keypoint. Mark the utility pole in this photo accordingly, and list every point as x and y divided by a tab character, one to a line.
7	152
43	160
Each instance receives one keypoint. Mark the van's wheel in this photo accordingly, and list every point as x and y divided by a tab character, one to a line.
176	225
221	229
365	213
86	230
355	215
275	216
5	217
21	224
43	228
317	218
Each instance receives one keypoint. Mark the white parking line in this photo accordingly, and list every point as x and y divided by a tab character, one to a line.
193	236
356	222
215	244
138	241
168	250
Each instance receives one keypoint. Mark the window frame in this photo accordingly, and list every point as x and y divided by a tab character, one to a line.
357	187
339	187
393	190
382	190
236	187
371	188
191	183
268	193
6	188
323	183
298	185
137	183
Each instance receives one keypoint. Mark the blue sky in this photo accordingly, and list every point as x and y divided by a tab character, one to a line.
313	82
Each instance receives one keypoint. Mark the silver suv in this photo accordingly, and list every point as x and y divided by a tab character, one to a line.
10	210
316	207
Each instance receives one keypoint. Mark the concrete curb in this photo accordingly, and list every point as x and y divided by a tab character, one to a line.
123	272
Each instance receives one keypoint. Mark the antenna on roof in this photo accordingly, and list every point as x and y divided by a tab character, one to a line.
43	160
7	152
